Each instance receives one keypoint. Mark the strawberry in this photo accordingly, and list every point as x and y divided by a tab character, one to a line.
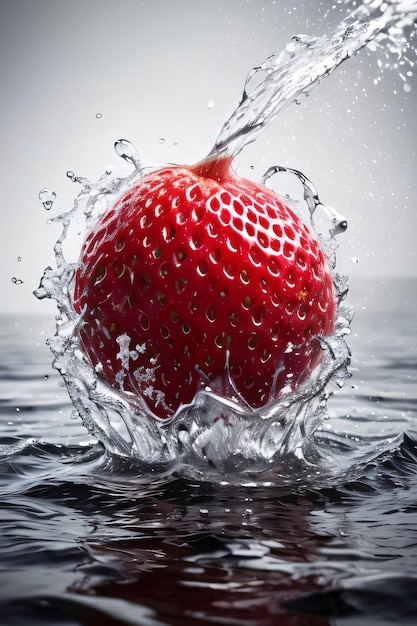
197	277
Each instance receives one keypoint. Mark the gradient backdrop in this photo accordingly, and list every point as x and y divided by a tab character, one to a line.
175	70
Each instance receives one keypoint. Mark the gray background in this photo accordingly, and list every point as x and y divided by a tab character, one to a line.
151	69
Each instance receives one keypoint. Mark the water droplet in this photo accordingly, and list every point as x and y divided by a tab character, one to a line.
72	176
17	281
47	197
99	116
407	87
162	140
210	104
19	258
127	151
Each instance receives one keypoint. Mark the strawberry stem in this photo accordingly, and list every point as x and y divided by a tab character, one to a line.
215	167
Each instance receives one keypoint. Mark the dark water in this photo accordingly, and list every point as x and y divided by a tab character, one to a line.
86	539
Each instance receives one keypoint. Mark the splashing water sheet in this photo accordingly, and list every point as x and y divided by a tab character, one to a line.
266	441
161	489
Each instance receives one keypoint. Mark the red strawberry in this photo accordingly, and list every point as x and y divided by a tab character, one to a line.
194	269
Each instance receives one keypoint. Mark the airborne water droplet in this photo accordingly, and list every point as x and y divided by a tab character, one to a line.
99	116
210	104
47	197
127	151
17	281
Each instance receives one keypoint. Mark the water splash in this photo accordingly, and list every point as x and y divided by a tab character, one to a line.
214	433
305	61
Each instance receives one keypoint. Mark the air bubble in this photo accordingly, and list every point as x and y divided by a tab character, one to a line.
47	197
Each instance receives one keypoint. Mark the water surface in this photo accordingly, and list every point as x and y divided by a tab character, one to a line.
89	539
